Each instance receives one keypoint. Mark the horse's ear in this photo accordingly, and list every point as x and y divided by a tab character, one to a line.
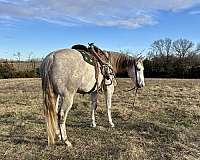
141	58
139	55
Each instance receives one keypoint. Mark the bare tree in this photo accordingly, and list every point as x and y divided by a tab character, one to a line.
162	47
168	47
158	47
29	56
198	48
179	58
183	47
18	55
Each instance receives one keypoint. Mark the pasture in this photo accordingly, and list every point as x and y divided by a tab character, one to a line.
164	123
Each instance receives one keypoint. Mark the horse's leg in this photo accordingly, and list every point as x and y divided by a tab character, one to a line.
108	96
57	103
58	112
67	101
93	107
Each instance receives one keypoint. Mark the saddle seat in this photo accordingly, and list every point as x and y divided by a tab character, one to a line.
80	47
101	56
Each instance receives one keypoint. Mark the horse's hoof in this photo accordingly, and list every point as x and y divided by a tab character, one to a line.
93	125
112	125
58	138
69	145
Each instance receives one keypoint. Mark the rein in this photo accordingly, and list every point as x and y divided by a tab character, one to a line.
136	89
133	104
128	90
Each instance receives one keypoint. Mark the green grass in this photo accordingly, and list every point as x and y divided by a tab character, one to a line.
164	123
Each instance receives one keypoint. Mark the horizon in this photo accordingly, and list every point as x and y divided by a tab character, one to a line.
32	26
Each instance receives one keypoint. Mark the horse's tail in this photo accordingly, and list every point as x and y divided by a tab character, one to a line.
49	98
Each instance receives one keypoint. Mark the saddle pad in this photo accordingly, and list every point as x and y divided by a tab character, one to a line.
87	58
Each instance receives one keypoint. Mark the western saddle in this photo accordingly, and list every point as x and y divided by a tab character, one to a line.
101	60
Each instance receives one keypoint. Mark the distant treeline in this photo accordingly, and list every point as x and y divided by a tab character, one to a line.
19	69
173	59
165	59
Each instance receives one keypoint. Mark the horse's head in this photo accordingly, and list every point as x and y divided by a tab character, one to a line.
136	73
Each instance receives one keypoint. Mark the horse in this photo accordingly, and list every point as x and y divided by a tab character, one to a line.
64	73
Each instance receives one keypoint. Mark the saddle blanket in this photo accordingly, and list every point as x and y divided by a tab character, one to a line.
87	58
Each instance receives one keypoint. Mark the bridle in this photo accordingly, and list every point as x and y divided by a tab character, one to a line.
136	80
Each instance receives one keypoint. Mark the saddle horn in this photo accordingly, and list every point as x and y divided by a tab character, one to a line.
91	44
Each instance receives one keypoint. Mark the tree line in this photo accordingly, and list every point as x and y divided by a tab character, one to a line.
19	69
173	59
166	58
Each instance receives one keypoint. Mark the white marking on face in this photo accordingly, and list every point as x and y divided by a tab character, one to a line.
140	73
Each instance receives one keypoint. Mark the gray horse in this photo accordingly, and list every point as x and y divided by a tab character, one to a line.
65	72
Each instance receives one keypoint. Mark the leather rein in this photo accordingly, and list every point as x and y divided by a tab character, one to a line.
135	93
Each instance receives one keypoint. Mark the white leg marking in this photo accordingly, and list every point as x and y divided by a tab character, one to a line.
93	107
57	103
66	106
108	97
57	112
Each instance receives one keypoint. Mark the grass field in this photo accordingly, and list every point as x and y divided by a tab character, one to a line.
164	123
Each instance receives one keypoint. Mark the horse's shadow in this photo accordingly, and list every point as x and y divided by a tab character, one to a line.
153	130
17	133
148	130
159	137
21	139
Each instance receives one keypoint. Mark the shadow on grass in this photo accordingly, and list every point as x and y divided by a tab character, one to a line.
21	139
166	142
17	132
11	118
80	125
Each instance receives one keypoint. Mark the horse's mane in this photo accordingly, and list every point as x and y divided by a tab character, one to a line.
120	62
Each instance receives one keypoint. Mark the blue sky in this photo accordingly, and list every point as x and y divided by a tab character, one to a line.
38	27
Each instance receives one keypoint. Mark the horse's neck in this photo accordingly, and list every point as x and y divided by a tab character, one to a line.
119	62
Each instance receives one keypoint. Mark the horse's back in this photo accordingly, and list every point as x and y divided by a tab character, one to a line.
68	61
69	70
70	54
63	60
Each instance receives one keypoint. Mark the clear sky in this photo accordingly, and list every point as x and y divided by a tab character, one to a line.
41	26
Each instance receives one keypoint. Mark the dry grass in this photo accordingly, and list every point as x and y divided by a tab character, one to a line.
164	124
